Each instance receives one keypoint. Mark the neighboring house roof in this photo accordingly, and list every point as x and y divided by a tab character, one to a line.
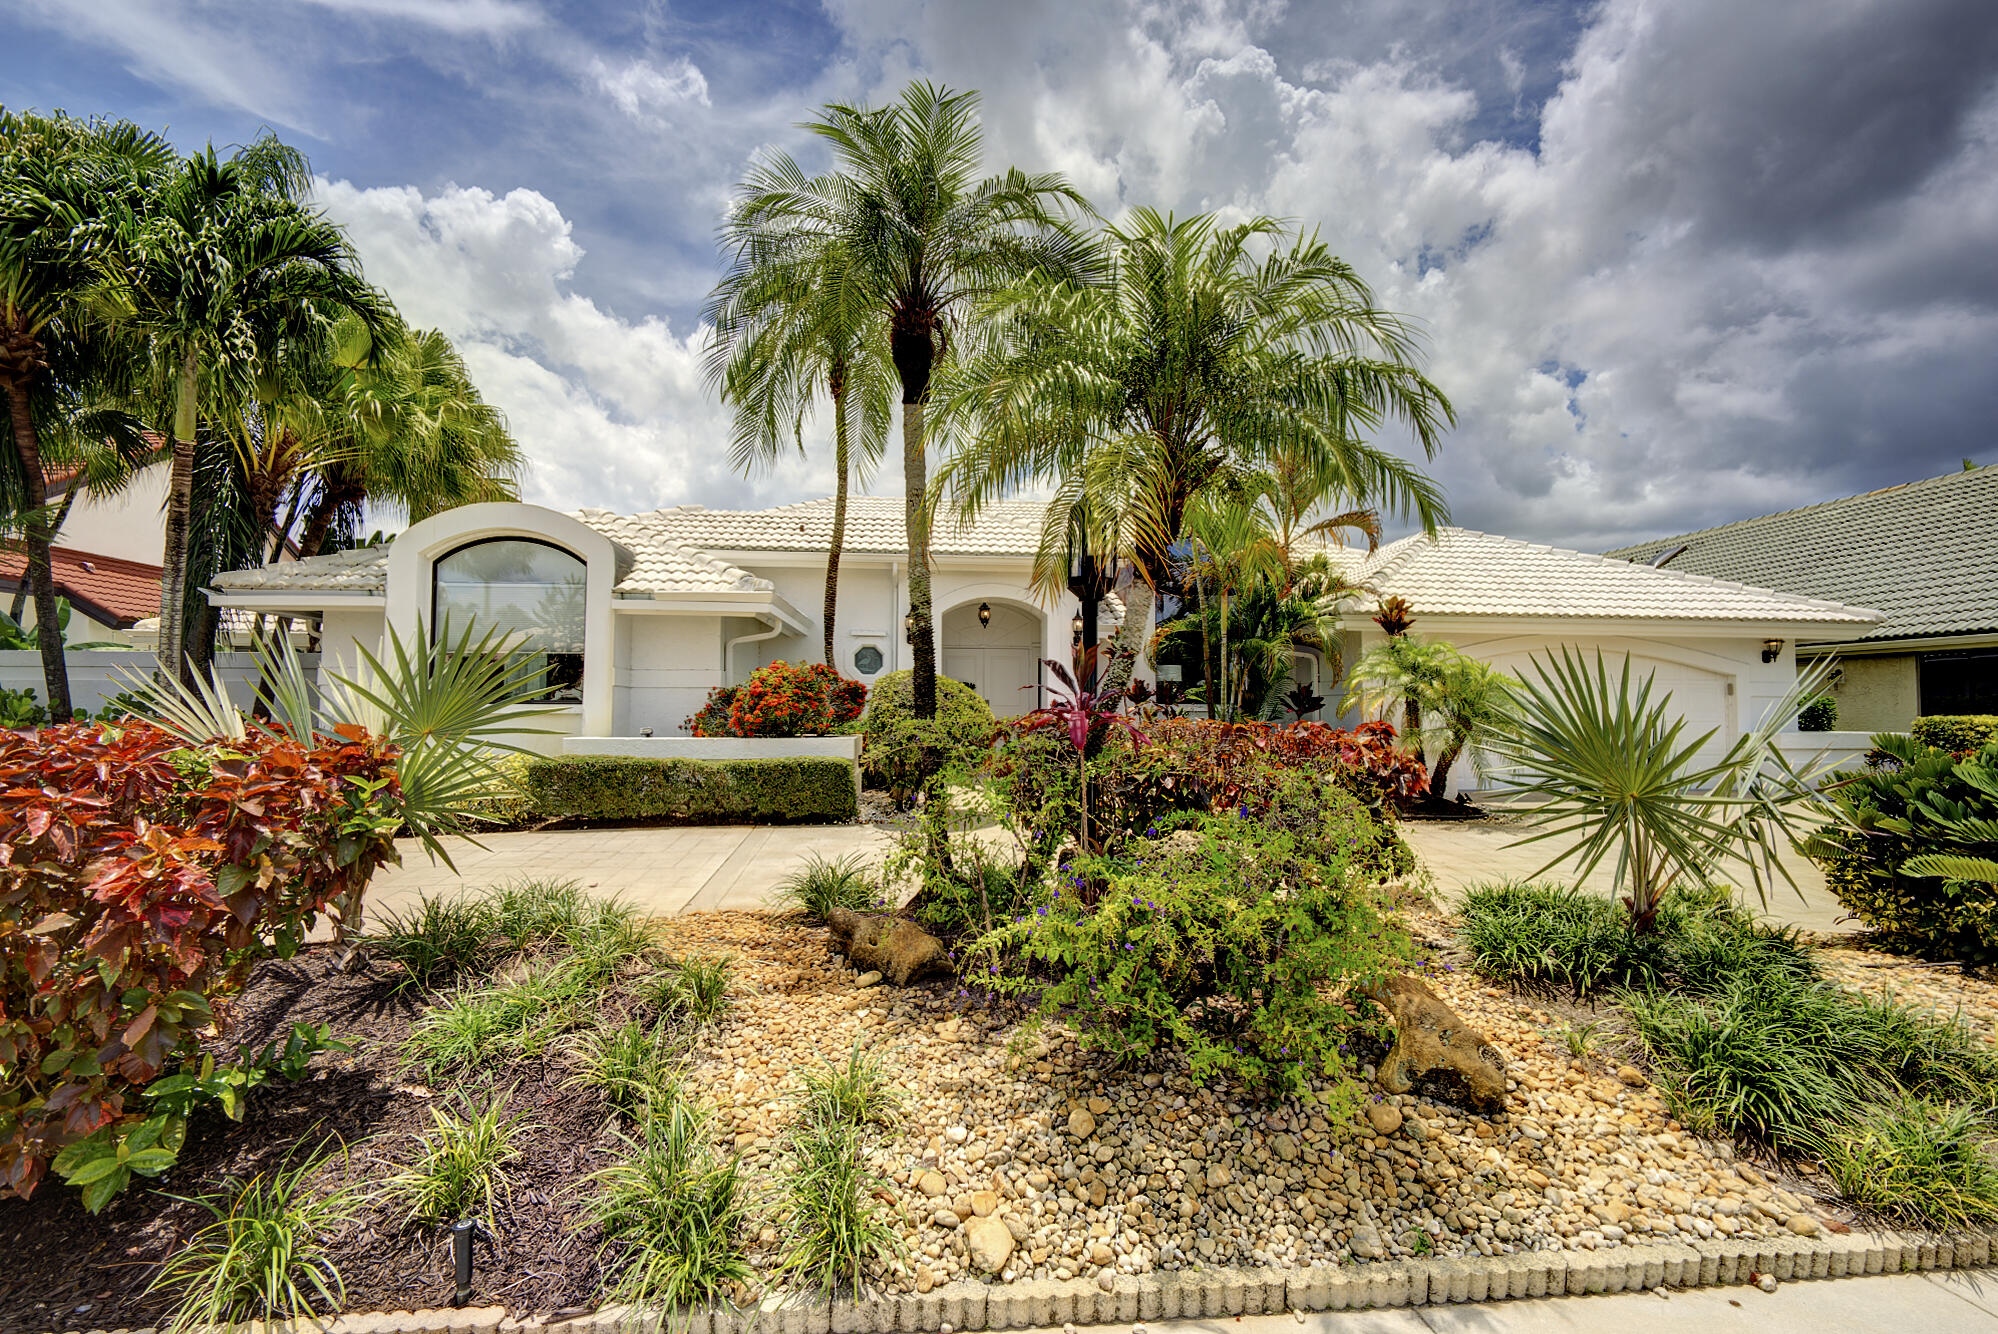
1463	573
108	589
362	570
1925	553
873	524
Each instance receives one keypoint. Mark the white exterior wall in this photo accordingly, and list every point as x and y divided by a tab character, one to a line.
130	524
665	666
1716	682
96	675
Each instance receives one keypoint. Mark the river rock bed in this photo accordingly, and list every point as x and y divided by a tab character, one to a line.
1017	1157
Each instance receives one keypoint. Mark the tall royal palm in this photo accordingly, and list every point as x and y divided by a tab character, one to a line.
789	318
1195	366
224	262
56	175
927	239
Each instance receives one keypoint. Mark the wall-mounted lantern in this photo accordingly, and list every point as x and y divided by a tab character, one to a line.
1076	626
909	626
984	615
1772	649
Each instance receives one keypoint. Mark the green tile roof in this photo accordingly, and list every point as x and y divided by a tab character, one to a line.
1925	553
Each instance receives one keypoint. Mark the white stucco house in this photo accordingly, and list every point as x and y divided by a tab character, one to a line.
640	615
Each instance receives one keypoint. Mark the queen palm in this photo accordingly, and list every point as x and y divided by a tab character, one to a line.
1196	364
56	362
221	263
787	320
926	240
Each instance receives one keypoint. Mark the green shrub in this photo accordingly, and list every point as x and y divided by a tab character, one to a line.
829	1224
853	1093
1919	809
505	802
1223	939
264	1257
459	1168
1918	1162
795	790
20	708
1818	715
903	752
711	719
1559	934
821	884
671	1213
1782	1058
1958	733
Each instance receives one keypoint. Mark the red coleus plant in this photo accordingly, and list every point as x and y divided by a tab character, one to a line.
1234	762
139	881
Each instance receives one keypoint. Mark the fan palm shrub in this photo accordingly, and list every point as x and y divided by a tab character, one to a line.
1607	769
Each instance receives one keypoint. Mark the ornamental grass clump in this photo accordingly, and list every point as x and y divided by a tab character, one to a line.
829	1224
459	1168
1225	938
855	1092
1918	1162
821	884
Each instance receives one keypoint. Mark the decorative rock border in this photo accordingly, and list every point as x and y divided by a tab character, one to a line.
1209	1294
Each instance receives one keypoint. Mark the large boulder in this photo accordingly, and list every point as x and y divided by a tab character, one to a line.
1435	1053
895	947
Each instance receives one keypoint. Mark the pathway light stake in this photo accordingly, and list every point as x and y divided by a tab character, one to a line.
461	1252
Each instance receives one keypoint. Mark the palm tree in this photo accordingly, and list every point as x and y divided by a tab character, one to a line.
926	240
359	417
56	175
1194	365
221	264
787	319
1406	670
1230	551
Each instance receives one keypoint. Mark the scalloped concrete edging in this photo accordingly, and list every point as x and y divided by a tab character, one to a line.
1198	1294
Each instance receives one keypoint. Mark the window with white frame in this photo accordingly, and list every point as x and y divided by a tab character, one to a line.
530	591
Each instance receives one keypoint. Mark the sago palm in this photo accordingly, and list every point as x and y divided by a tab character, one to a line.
926	238
789	318
1208	355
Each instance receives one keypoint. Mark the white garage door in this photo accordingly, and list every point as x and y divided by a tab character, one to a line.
1698	696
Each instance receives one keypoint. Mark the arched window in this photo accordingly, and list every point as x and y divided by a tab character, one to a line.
530	590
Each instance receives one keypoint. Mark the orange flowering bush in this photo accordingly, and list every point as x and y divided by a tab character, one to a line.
781	699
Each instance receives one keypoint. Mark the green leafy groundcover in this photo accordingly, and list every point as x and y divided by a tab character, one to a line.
795	790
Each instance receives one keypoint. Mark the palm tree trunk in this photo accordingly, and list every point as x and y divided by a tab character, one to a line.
1224	653
1131	638
1206	647
341	488
180	497
915	512
841	446
41	573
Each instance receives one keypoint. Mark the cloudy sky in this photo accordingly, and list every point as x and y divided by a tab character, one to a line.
1680	261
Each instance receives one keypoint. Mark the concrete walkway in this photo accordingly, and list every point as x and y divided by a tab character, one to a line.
1954	1303
664	871
1471	852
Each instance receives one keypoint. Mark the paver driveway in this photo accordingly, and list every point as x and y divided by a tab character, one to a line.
665	871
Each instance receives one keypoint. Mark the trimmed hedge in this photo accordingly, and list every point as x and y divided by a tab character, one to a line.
794	790
1957	733
903	751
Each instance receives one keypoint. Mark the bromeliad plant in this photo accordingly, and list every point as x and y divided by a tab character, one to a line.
1608	769
1083	711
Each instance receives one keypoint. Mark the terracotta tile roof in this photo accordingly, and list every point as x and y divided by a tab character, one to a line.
1925	553
1460	572
108	589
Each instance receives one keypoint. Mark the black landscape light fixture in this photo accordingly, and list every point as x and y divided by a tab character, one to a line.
1772	649
1076	626
909	626
461	1254
984	615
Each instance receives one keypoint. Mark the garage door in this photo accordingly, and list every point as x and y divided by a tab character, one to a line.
1698	696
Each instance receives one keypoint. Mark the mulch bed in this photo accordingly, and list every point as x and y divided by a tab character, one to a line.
68	1270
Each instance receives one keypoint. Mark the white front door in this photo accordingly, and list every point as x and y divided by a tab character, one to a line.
1005	677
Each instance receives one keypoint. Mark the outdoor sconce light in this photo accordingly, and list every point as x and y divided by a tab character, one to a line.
909	627
1772	649
1076	626
984	615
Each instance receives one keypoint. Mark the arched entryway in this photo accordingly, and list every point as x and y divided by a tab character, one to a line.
999	657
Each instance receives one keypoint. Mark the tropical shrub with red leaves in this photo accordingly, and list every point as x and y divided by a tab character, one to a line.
1237	764
712	720
140	878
